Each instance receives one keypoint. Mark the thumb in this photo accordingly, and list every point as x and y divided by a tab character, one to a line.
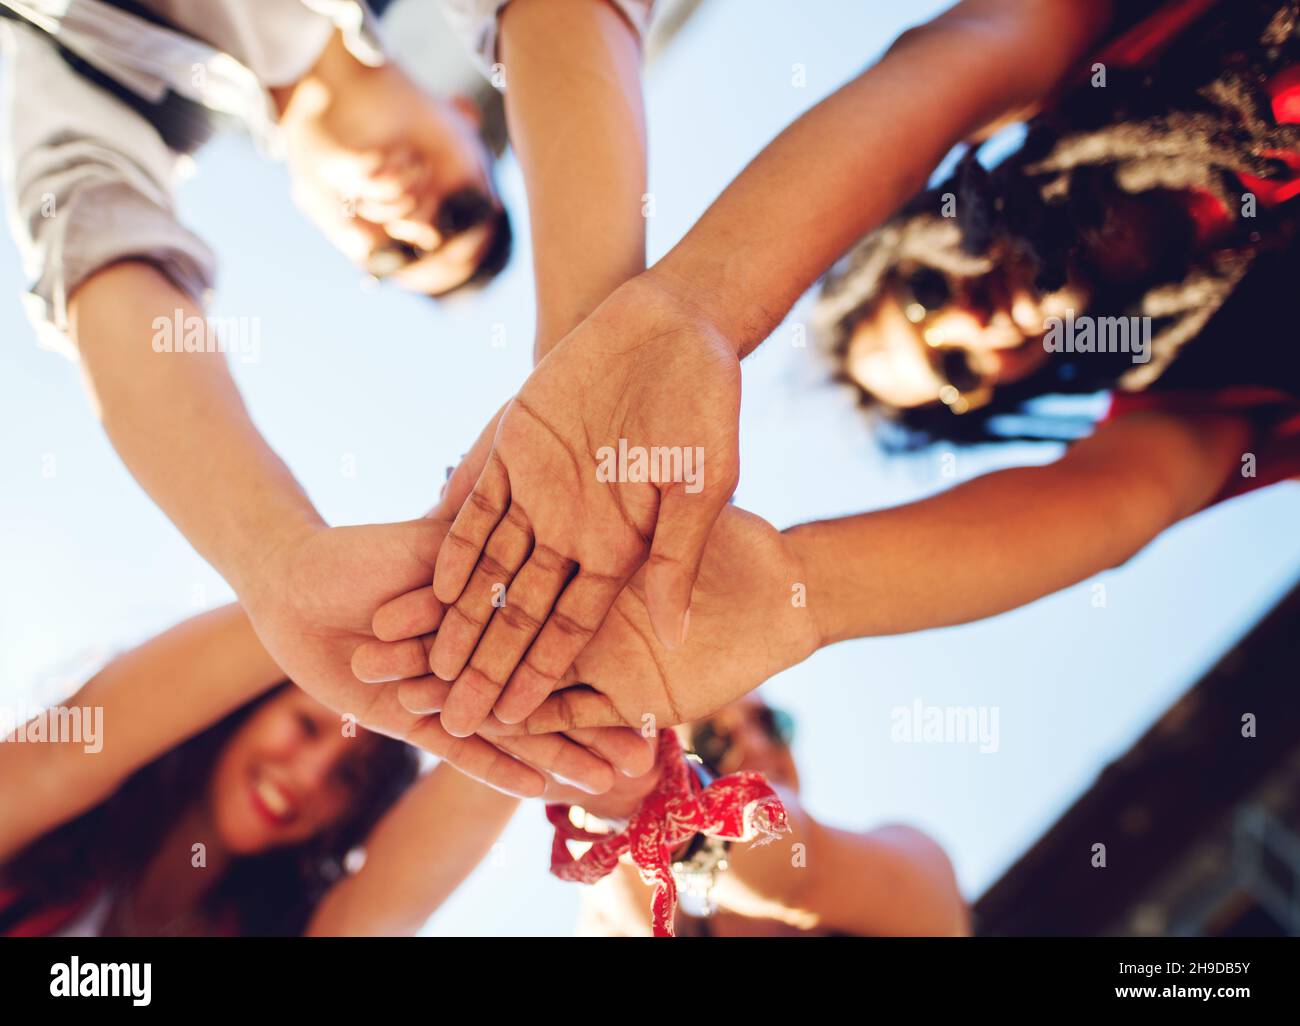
681	532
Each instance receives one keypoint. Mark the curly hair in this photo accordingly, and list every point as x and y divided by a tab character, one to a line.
1199	122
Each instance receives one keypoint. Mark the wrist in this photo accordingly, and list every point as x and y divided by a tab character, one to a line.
265	566
703	291
678	294
807	542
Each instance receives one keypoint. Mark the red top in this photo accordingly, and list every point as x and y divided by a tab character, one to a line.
16	921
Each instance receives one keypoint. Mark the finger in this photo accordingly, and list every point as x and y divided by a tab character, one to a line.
623	748
408	616
576	617
573	708
480	759
415	224
528	602
398	176
387	212
377	662
563	759
483	509
422	695
681	532
486	591
451	264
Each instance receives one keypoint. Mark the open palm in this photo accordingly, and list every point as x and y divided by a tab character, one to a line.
563	515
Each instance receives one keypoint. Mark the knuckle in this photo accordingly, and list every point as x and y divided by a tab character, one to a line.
551	561
479	682
480	503
518	619
459	539
459	610
491	567
569	627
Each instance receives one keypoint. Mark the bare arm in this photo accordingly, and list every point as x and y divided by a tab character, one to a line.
891	881
419	853
180	426
577	124
152	697
1008	538
848	163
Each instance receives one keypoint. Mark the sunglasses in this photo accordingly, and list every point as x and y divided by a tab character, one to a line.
924	294
716	746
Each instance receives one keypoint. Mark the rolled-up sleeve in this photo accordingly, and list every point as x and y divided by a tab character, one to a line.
476	22
89	182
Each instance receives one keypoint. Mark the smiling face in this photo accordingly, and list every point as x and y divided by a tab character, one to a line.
934	338
287	774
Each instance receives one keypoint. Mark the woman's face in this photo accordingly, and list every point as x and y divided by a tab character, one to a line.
934	338
287	774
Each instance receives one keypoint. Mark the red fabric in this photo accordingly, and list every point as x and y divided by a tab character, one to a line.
1276	449
42	922
737	807
46	922
1142	44
1285	91
1147	38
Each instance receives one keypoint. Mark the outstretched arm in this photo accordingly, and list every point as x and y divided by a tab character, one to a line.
310	591
211	664
851	161
893	881
767	600
179	424
577	124
890	881
1010	537
417	855
555	524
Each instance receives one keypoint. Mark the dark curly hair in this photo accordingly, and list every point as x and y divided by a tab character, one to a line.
1198	122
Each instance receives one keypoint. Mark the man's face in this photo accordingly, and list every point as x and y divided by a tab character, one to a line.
931	338
433	204
398	180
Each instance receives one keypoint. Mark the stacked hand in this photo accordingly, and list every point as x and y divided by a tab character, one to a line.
750	620
314	609
546	542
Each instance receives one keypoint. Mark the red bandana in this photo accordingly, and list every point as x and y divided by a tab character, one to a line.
737	807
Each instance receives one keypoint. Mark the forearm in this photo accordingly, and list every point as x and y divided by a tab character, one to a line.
577	124
848	163
420	852
212	663
893	881
179	424
1008	538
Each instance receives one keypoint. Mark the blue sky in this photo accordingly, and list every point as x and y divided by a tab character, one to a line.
395	388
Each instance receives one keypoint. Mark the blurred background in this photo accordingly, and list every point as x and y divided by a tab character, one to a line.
370	395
